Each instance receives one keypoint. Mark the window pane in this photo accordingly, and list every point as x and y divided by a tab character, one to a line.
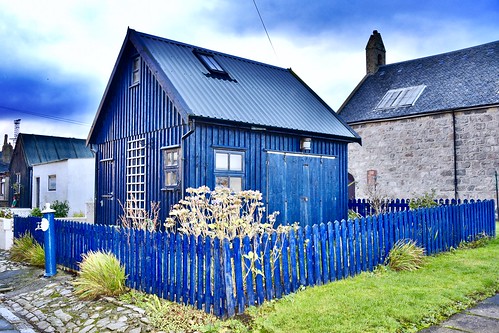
236	162
236	184
222	182
170	178
52	183
222	161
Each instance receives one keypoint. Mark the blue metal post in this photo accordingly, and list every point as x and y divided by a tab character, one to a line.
49	237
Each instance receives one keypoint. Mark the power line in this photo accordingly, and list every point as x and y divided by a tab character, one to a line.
46	116
265	28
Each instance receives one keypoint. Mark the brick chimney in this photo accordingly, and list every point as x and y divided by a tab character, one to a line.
375	53
6	150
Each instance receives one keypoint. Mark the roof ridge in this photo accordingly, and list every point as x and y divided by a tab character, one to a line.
203	49
439	54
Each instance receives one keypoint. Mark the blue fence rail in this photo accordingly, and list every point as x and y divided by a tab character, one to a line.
219	276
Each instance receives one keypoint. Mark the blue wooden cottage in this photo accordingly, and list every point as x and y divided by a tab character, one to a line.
175	116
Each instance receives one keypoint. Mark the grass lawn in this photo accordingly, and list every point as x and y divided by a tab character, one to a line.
387	301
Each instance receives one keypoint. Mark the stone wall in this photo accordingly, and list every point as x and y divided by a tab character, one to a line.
415	155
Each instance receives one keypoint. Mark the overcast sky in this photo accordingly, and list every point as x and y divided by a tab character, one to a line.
57	55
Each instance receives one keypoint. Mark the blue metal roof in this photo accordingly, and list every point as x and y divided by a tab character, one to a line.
454	80
253	93
42	149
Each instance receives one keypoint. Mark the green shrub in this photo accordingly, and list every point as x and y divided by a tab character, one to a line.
405	255
352	215
427	200
36	212
480	241
5	213
61	208
21	248
79	214
100	275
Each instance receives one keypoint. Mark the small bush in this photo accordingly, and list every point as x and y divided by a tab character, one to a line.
61	208
5	213
427	200
352	215
100	275
480	241
21	248
36	212
79	214
405	255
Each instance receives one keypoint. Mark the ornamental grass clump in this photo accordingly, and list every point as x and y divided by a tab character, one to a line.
36	255
100	275
405	255
22	247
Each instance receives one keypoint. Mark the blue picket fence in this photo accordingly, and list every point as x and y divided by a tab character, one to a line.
219	276
364	207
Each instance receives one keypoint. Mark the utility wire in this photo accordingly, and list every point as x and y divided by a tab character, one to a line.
265	28
66	120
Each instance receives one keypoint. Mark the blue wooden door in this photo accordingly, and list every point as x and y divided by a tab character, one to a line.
303	188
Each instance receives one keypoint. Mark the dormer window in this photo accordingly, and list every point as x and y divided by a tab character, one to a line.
136	71
210	63
395	98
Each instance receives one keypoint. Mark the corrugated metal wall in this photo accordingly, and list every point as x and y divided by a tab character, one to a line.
133	112
200	147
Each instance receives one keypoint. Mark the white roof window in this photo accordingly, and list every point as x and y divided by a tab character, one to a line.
401	97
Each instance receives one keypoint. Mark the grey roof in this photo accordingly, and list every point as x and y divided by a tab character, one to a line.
254	93
460	79
42	149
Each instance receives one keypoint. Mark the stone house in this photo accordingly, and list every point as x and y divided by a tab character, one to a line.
428	123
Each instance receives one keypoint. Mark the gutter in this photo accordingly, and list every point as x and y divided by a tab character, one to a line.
192	127
454	140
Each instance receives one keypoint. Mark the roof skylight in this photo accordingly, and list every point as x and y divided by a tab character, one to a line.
210	63
395	98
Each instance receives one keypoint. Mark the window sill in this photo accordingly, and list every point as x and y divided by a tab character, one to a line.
170	189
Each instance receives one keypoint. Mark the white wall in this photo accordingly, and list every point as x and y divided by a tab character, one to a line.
74	183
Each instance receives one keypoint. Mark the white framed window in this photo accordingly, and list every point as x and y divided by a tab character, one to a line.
171	166
52	182
136	71
400	97
136	178
229	169
2	186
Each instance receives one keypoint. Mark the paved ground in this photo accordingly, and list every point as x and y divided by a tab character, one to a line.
31	303
483	318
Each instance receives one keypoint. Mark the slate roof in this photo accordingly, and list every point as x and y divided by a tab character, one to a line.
454	80
42	149
254	93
